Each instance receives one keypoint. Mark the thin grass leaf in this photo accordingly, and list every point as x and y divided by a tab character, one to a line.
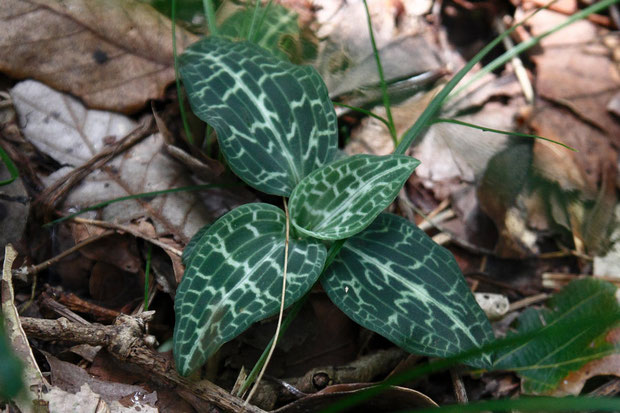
134	196
435	106
501	132
10	166
521	47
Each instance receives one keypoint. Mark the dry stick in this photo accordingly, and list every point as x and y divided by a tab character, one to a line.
35	269
129	230
527	301
53	193
125	341
459	386
275	338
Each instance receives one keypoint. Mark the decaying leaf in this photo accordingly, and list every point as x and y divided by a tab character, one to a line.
114	55
61	127
576	70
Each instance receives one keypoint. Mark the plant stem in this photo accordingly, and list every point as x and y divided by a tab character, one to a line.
334	249
272	347
384	92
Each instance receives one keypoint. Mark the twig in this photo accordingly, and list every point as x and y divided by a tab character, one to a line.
50	196
459	387
129	230
23	272
517	64
125	341
517	305
277	334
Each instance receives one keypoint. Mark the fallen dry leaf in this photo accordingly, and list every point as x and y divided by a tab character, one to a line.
115	54
576	70
61	127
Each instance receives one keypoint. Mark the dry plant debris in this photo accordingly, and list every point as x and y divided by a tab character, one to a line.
115	55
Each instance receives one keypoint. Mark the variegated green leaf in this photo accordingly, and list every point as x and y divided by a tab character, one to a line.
393	279
189	249
278	26
274	120
343	198
234	278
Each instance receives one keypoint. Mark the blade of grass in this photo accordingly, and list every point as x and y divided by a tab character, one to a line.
533	404
147	272
365	112
210	15
609	320
439	99
177	78
136	196
384	92
521	47
255	28
10	166
501	132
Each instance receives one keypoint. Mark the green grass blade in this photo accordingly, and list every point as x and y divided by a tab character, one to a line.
433	108
177	77
384	91
135	196
501	132
365	112
210	15
532	404
8	162
521	47
608	319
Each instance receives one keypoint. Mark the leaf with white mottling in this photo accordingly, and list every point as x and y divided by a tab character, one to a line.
274	121
394	280
278	28
234	278
341	199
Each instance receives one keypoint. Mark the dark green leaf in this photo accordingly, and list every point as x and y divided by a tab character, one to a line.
546	359
234	278
393	279
189	249
279	24
341	199
274	120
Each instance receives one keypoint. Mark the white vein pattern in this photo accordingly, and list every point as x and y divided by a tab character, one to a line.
274	120
393	279
234	278
342	198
